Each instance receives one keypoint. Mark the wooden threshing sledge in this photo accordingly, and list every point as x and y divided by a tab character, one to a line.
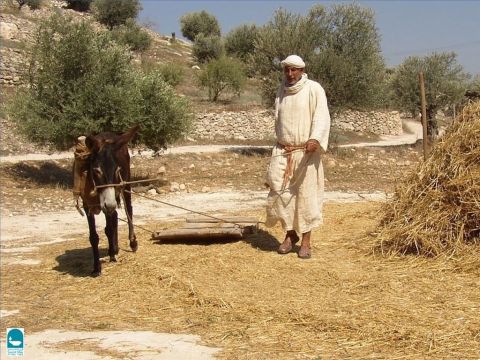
209	228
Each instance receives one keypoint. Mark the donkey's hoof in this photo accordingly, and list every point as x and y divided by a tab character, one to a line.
133	246
96	273
113	258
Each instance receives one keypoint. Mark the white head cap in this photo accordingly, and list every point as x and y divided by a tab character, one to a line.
293	61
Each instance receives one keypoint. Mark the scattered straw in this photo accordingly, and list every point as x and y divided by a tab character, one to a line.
436	209
244	298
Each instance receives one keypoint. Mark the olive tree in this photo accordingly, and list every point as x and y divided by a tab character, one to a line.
349	63
195	23
240	42
115	12
223	75
340	46
81	82
132	35
445	84
207	47
285	34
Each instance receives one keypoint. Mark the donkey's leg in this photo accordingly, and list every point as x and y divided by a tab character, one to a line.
93	237
131	231
111	230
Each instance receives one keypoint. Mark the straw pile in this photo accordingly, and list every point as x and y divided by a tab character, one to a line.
436	209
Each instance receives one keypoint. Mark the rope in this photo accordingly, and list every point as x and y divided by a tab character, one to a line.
123	183
290	150
138	226
189	210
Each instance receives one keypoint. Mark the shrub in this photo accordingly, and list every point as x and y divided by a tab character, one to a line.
165	117
133	36
81	82
193	24
207	48
115	12
79	5
172	74
240	42
223	75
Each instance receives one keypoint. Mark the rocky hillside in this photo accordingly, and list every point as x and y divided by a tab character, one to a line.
17	27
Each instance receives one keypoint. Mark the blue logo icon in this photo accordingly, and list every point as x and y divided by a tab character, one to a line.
15	344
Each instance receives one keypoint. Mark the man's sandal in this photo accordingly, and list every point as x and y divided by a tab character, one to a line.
305	253
286	247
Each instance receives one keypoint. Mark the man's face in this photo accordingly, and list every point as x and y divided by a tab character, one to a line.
292	74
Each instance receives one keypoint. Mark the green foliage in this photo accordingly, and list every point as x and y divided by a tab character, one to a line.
132	35
207	48
350	65
195	23
164	116
81	82
223	75
340	46
115	12
284	35
240	42
445	82
33	4
473	89
172	74
79	5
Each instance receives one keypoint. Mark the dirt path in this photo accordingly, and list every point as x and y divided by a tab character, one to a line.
411	137
414	133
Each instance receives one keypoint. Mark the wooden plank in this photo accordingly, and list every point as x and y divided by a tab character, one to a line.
210	225
245	229
230	219
193	234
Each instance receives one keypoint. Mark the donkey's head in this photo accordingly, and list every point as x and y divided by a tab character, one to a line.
109	164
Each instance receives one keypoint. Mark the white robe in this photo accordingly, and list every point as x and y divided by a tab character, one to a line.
299	117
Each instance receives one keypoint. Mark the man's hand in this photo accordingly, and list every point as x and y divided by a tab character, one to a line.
311	145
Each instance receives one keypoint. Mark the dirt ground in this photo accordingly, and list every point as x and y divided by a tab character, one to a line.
239	297
33	186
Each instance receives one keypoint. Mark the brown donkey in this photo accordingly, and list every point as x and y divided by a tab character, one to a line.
103	160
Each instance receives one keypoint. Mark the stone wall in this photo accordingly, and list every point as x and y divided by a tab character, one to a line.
257	125
242	125
376	122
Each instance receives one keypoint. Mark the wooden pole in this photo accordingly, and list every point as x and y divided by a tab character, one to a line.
424	115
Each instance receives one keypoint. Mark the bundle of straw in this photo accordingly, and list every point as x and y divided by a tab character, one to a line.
436	209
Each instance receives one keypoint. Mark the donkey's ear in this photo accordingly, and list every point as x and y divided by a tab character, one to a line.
92	143
127	136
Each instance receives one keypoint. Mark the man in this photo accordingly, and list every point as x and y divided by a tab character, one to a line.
295	174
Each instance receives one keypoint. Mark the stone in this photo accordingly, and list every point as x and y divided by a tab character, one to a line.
161	170
8	31
174	187
182	187
140	189
196	67
205	189
152	192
